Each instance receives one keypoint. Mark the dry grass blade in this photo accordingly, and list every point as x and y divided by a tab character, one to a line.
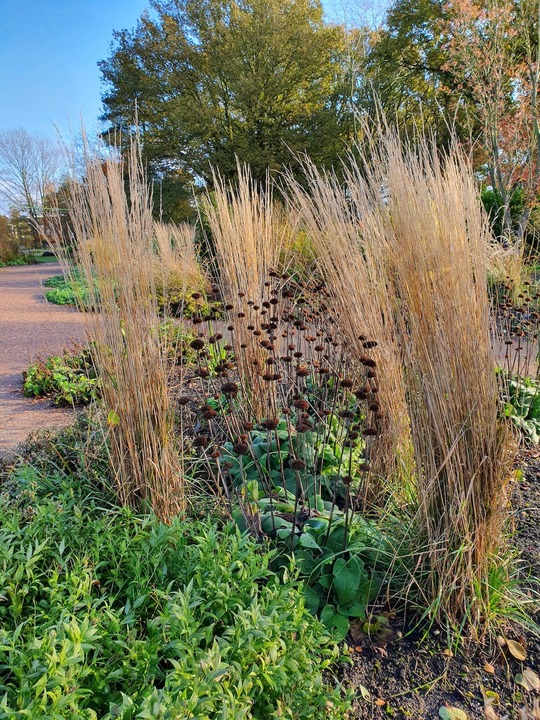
344	236
113	251
248	233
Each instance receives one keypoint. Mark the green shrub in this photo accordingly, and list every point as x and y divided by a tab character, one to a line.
336	553
16	261
67	380
110	615
68	290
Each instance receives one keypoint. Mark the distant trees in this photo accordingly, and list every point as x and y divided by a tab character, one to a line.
30	165
211	80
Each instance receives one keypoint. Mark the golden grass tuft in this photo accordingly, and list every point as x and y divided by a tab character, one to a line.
248	233
404	248
113	237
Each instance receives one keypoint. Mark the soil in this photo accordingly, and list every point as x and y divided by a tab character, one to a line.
414	676
30	327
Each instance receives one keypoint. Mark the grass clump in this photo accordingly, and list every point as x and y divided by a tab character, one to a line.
111	615
113	251
410	226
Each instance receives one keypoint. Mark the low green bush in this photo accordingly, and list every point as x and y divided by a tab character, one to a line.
67	380
17	261
110	615
67	290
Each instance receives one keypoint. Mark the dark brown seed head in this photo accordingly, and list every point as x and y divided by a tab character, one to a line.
270	423
184	400
229	387
240	448
201	441
297	464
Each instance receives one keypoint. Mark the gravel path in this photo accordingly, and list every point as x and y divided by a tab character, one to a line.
30	327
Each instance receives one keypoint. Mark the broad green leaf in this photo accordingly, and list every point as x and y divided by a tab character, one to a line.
312	599
308	541
347	578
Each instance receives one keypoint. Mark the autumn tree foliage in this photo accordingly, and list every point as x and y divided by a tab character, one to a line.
492	50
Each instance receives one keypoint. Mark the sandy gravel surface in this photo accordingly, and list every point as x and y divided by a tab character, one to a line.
30	327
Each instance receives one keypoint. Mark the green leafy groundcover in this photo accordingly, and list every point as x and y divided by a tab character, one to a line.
68	290
522	405
67	380
104	614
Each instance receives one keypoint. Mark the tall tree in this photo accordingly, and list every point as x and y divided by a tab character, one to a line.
29	168
405	69
209	81
493	48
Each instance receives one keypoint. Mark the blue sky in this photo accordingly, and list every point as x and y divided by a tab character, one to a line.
49	51
48	55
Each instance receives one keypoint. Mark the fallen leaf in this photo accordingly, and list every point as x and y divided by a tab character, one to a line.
501	640
386	635
488	667
448	652
452	713
490	698
528	680
532	678
380	702
516	649
364	692
357	634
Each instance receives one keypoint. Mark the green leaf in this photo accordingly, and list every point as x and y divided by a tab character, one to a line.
270	523
338	624
368	590
353	609
318	523
112	419
308	541
312	599
347	578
